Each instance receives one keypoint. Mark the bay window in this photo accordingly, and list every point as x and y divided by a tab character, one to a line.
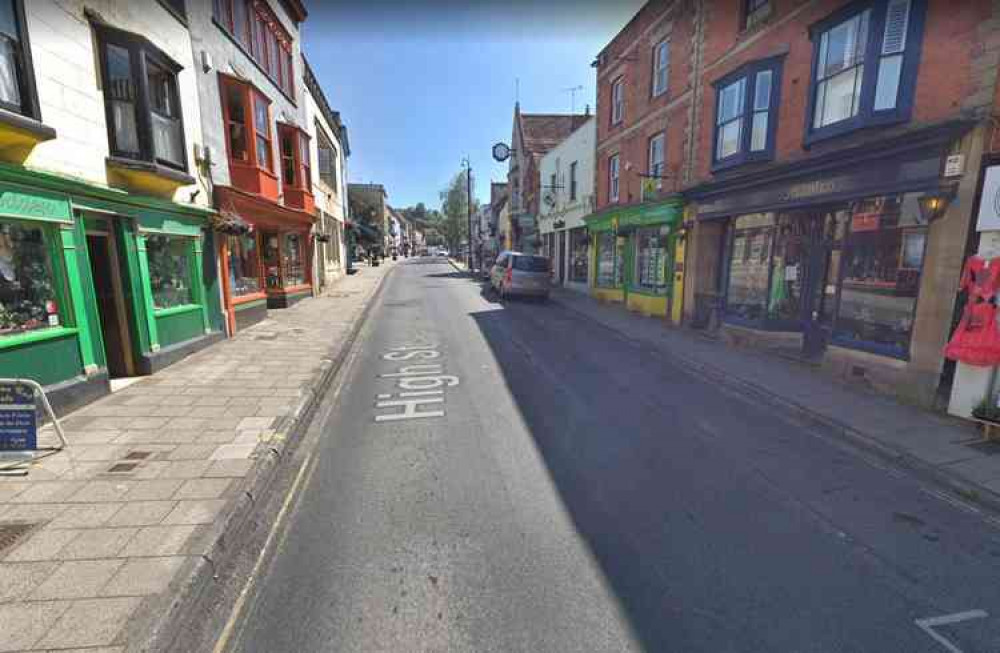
170	270
17	79
746	114
28	298
296	171
141	99
327	153
865	66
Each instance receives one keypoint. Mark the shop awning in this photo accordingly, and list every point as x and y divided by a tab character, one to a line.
627	218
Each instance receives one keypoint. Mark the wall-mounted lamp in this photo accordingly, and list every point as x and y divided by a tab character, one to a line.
933	204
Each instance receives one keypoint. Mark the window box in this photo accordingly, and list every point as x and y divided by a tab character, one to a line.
149	177
865	59
746	114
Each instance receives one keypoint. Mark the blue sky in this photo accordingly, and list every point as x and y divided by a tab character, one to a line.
422	84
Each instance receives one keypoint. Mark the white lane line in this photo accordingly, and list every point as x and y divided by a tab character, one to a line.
927	625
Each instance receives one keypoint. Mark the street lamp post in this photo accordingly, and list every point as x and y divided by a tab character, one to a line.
468	210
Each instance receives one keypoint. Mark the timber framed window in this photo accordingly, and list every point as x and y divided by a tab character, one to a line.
170	260
17	77
746	114
253	25
865	60
246	114
141	100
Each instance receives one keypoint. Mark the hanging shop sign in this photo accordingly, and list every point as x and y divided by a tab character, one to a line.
18	421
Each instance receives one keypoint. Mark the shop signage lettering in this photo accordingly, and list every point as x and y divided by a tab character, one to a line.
18	422
811	189
421	384
18	204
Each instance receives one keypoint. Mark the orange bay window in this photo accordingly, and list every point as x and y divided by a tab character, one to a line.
247	117
296	172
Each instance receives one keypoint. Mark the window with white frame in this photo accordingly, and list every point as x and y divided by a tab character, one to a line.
617	100
656	156
613	178
572	181
661	67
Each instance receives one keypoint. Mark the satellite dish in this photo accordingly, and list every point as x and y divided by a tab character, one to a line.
549	198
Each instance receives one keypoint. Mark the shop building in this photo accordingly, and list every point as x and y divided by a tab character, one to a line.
329	180
567	173
106	260
644	138
250	73
839	150
533	135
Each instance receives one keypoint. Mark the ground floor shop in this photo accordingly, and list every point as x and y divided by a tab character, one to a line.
266	258
849	260
633	255
98	284
568	249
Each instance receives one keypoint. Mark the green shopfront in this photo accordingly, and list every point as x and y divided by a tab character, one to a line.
633	255
97	283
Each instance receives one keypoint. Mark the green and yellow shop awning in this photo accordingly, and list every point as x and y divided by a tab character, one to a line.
623	219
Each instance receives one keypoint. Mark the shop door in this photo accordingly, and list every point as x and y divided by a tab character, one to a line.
110	304
561	238
821	237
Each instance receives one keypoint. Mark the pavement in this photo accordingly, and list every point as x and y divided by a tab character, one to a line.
509	476
939	447
99	543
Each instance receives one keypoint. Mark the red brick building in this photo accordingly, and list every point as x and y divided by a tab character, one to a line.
829	157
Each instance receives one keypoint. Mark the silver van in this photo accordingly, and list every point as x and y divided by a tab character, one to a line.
515	273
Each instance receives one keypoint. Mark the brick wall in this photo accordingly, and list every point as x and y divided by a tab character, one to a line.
630	56
956	78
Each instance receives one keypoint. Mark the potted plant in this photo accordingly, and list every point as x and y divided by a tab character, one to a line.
986	411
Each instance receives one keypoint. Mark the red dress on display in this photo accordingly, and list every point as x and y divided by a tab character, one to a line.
976	340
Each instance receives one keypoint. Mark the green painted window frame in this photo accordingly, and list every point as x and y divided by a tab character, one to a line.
52	242
174	310
31	337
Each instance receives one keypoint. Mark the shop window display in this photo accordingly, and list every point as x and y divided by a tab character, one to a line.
749	266
607	271
578	252
244	265
881	278
27	283
169	270
293	263
651	259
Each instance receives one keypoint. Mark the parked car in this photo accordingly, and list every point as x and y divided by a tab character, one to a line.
515	273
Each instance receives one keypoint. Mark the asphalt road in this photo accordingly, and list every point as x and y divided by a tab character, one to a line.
581	494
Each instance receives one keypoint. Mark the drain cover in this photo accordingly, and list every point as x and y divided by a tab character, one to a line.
12	533
138	455
122	467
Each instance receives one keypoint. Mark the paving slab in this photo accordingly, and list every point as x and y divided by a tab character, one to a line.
182	443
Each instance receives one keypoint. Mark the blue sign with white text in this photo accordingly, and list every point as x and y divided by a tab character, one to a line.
18	422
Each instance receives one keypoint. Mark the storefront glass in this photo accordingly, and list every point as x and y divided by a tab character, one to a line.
651	259
881	276
244	265
293	262
169	270
27	284
578	254
750	266
272	259
607	270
